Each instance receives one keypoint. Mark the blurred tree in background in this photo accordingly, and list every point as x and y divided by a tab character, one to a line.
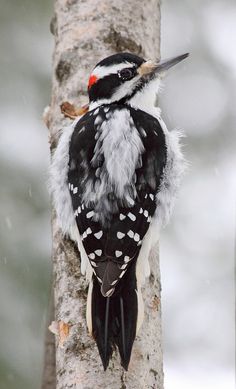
197	249
25	269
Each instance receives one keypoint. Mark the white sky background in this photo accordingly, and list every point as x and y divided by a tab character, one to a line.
197	248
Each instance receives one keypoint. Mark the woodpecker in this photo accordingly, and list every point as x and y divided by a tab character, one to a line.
114	176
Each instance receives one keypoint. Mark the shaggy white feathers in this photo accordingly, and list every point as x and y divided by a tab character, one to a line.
120	144
58	186
59	182
173	173
165	199
120	135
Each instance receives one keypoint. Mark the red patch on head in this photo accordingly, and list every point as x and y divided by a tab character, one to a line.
92	80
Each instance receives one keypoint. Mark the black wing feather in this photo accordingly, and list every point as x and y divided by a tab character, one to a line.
112	245
113	240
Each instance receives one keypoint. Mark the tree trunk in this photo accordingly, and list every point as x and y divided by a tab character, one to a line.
85	32
49	371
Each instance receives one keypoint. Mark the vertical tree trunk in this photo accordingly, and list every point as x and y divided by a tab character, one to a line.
49	371
85	32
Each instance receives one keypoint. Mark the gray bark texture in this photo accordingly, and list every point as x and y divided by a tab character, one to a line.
49	371
87	31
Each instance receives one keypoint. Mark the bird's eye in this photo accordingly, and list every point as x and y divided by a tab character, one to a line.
126	74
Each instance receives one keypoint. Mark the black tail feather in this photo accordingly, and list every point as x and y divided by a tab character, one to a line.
106	328
122	321
101	323
128	310
114	319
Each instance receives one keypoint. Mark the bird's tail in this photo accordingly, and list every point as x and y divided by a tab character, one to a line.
113	320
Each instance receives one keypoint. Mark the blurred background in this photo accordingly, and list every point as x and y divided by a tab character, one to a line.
197	248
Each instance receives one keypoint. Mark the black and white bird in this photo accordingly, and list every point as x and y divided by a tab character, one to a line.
114	176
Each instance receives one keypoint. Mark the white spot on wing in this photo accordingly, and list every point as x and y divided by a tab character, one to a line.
122	217
98	252
120	235
122	273
98	235
82	130
143	132
130	200
98	120
118	253
109	292
91	256
130	234
89	214
132	216
136	237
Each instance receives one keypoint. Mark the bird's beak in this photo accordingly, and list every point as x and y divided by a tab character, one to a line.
151	68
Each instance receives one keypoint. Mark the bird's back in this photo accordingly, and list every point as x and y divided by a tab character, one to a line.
117	157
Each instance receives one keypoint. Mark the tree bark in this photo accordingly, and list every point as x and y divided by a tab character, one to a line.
85	32
49	371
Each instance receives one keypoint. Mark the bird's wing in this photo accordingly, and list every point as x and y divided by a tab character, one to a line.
111	227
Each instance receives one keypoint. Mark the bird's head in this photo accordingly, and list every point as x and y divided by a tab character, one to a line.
123	76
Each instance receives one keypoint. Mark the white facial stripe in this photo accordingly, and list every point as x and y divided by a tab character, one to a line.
125	89
102	71
122	91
